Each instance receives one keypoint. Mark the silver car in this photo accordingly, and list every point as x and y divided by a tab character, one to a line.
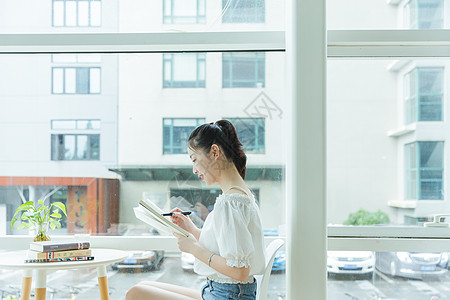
412	264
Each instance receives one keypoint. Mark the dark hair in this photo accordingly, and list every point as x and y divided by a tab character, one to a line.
223	134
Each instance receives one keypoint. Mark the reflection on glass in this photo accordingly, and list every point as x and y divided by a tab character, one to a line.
243	11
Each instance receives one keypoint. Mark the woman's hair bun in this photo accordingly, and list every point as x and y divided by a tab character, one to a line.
223	134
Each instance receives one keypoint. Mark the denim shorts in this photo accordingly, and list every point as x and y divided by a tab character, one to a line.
213	290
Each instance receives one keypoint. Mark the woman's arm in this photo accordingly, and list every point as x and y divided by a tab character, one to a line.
218	263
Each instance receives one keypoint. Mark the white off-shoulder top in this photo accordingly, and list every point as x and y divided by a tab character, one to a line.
234	231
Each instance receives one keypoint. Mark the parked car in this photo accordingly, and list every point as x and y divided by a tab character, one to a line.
412	264
140	261
351	262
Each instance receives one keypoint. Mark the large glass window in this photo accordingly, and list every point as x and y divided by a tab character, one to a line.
243	11
251	133
176	132
425	14
424	170
184	11
184	70
241	70
424	91
76	13
76	80
75	146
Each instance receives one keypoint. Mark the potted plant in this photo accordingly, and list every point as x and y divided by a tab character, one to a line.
39	218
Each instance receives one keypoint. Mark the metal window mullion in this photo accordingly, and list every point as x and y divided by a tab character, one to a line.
197	71
76	12
64	14
256	68
171	145
256	127
230	70
88	148
89	13
419	170
64	79
172	17
76	147
197	20
172	68
418	98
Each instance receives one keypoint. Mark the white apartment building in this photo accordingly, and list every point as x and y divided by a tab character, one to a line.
123	119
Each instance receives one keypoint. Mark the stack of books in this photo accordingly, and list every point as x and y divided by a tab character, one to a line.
51	251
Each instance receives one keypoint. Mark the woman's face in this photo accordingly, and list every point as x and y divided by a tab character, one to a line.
203	166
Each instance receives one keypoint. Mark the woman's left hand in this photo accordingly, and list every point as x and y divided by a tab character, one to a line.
186	244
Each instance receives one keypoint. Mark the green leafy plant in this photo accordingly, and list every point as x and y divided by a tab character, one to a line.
364	217
39	218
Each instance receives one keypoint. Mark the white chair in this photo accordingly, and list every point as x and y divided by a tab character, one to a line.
263	280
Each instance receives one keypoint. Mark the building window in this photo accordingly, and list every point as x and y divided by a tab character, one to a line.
75	147
76	13
184	11
424	14
424	92
76	80
243	70
424	170
176	133
75	124
243	11
184	70
251	133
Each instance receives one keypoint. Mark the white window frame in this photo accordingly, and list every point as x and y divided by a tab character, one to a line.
306	220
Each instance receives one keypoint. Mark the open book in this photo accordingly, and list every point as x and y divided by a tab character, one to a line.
151	214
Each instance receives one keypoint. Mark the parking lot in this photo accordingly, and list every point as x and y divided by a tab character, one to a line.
82	284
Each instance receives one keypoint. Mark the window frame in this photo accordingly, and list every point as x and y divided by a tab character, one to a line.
175	19
77	12
416	23
419	169
256	148
172	84
259	62
76	68
199	121
413	104
56	156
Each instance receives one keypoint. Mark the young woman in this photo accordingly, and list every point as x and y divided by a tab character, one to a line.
229	248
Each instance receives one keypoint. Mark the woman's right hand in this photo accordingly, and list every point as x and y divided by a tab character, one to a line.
183	221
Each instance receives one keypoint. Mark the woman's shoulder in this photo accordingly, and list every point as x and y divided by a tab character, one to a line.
225	199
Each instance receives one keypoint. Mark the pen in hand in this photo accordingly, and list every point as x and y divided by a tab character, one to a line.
177	213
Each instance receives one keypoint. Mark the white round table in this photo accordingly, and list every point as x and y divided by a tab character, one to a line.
102	258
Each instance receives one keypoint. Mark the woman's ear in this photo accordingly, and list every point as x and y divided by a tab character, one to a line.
215	151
